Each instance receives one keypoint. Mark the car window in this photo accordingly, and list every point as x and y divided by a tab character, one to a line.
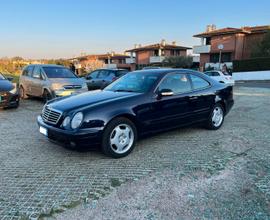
198	82
1	77
58	72
209	73
36	72
215	73
120	73
94	74
103	74
28	71
177	82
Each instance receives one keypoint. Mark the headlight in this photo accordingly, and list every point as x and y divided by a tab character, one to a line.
76	120
14	90
66	122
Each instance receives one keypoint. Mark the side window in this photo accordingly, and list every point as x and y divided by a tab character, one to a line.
27	71
198	82
94	74
215	74
36	73
177	82
103	74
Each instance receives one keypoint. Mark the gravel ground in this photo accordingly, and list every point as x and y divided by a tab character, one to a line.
189	173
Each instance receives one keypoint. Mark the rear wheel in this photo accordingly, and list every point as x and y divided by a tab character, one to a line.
216	118
22	93
119	138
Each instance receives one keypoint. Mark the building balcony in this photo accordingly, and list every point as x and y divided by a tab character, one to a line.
130	60
201	49
156	59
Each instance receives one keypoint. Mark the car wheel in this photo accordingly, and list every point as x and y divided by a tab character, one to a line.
119	138
22	93
216	118
46	96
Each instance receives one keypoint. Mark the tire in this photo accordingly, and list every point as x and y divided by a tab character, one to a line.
46	96
216	117
119	138
22	93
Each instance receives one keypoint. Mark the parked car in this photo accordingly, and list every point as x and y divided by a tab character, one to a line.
49	81
9	94
220	76
100	78
138	103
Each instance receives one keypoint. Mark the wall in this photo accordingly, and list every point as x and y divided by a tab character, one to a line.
258	75
142	57
228	42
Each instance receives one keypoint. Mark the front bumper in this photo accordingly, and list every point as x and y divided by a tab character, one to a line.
9	100
81	137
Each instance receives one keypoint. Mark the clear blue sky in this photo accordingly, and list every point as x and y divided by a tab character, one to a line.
64	28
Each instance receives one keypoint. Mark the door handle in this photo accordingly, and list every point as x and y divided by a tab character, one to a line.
193	98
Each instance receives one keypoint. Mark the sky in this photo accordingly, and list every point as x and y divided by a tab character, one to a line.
66	28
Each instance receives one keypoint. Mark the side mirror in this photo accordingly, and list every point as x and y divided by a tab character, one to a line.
9	78
165	92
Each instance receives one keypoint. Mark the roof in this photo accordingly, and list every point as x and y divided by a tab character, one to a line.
102	56
230	30
159	46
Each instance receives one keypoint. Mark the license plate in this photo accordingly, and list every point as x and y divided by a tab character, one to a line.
43	131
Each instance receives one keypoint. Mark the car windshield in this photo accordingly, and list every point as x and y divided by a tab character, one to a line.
58	72
140	82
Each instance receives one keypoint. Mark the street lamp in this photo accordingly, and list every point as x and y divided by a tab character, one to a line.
220	47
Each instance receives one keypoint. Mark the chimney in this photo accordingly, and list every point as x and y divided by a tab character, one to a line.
174	43
139	45
135	46
211	27
163	42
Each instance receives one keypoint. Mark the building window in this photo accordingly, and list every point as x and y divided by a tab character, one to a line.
225	57
208	41
156	53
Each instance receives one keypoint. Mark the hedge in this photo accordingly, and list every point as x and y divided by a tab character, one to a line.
254	64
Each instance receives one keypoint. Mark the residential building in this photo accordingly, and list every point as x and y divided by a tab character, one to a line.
154	54
228	44
110	60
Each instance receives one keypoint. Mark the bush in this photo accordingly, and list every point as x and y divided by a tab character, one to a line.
254	64
178	62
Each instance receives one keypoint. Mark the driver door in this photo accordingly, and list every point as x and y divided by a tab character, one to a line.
173	110
37	82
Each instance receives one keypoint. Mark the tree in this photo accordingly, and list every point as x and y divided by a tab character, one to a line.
178	61
262	49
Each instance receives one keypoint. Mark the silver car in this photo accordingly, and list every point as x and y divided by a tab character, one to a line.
49	81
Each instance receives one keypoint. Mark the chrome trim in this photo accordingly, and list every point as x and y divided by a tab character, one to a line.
51	115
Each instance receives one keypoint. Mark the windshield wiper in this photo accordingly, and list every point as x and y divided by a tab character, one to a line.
123	90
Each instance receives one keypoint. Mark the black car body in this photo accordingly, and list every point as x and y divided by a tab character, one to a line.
142	102
100	78
9	95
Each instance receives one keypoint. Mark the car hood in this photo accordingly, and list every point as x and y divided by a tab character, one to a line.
67	81
5	86
87	99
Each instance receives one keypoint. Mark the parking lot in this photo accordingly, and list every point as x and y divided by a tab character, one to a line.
189	173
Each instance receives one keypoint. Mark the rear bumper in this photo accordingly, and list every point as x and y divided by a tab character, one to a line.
81	137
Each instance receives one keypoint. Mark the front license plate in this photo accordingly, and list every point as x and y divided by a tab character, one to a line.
43	131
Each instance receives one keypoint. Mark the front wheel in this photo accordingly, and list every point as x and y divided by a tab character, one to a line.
46	96
216	118
119	138
22	93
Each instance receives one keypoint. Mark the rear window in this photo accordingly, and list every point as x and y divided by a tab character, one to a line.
58	72
198	82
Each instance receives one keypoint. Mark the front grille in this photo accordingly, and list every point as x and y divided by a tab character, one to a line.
73	87
51	116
